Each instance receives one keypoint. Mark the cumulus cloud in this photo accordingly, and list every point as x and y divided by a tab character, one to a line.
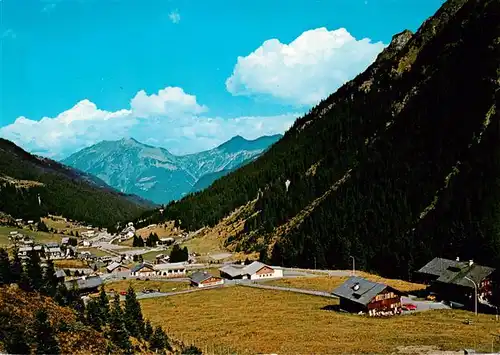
305	71
170	118
174	16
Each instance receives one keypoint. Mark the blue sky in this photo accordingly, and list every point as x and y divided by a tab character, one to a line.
72	71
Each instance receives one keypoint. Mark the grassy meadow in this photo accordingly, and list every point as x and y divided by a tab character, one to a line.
139	285
328	283
250	321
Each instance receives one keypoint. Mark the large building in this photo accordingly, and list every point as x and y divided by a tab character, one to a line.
84	284
204	279
170	269
360	295
254	271
456	280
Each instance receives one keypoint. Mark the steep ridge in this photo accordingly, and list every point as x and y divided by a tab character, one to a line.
401	164
62	190
156	174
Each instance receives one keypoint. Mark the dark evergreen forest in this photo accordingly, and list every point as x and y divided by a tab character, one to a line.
416	137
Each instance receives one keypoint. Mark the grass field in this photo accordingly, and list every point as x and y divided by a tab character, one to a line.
328	283
70	264
61	225
95	251
254	321
165	286
40	237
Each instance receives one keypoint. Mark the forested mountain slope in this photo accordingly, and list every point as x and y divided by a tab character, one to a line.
398	166
62	190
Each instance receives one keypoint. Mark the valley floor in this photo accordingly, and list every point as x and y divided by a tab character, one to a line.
248	320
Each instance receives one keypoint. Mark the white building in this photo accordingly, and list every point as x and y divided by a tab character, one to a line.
253	271
170	269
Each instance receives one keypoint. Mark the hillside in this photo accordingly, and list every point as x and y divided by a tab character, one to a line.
156	174
62	190
18	310
400	165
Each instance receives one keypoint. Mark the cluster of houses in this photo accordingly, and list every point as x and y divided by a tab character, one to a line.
454	281
51	250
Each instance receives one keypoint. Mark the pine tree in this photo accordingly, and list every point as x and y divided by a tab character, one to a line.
119	334
16	267
148	330
159	340
5	268
44	335
94	315
133	318
104	305
50	280
34	271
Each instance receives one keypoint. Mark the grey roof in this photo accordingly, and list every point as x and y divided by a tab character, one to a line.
238	270
363	295
60	273
113	266
65	240
454	272
51	245
200	276
54	250
84	282
140	266
170	266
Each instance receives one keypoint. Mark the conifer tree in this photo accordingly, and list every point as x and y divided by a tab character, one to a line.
159	340
191	350
44	335
5	268
148	330
34	271
94	315
50	280
104	305
119	334
134	321
16	267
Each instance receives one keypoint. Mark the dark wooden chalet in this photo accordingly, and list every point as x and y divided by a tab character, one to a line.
360	295
455	280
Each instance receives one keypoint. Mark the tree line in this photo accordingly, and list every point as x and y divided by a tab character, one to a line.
118	323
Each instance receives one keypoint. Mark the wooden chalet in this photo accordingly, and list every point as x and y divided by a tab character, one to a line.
204	279
360	295
455	280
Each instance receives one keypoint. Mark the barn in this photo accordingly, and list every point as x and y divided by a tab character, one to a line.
143	270
254	271
360	295
204	279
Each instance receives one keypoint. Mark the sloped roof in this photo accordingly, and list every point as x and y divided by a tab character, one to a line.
200	276
359	290
51	245
84	283
60	273
455	272
113	266
140	266
239	270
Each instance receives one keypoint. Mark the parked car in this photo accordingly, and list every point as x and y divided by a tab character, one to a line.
123	293
409	307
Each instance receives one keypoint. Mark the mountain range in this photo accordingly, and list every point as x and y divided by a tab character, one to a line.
157	175
398	166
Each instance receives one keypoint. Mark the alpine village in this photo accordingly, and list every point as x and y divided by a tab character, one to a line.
372	226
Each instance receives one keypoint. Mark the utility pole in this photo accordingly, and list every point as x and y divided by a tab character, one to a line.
314	263
475	293
353	265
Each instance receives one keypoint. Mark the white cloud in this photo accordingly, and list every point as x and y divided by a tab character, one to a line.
170	118
174	16
305	71
9	33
